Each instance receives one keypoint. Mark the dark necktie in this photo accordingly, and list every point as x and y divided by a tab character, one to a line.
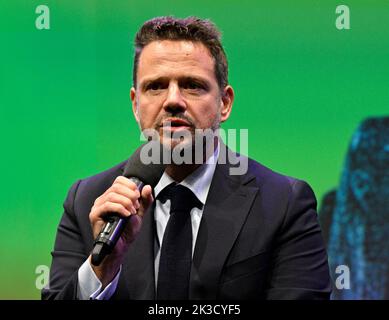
176	250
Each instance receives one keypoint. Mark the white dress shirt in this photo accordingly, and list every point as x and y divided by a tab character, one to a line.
199	182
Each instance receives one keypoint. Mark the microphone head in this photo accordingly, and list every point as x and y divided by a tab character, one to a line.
149	173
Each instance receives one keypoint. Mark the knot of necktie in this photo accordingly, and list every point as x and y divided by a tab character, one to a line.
182	199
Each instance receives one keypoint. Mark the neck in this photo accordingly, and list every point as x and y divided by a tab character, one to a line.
180	172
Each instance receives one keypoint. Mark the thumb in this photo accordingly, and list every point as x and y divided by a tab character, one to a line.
146	199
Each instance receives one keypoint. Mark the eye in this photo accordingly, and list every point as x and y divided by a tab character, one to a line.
192	85
155	85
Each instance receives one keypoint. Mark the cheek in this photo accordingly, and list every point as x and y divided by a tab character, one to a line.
206	114
147	114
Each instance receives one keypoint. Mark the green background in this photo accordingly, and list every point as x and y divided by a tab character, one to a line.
302	87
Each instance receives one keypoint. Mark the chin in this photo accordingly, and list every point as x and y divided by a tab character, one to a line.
170	143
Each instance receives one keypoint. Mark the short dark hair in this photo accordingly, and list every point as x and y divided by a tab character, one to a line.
191	29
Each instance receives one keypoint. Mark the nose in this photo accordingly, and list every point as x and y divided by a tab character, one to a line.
174	102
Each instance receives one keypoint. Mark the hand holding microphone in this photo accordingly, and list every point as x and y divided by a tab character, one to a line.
121	202
116	215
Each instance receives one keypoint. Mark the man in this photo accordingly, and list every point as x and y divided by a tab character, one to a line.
251	236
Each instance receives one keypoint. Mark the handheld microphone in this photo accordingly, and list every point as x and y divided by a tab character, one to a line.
141	174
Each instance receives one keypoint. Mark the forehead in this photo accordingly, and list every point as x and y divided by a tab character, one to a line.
168	58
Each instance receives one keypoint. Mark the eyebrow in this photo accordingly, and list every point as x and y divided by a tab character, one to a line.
148	81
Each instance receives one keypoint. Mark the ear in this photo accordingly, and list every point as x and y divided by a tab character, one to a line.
134	104
226	102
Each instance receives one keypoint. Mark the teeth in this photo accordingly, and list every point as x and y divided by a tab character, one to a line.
177	124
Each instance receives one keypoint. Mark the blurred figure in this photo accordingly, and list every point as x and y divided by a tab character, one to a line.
358	234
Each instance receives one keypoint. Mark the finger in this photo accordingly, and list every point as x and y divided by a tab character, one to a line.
133	195
125	201
118	189
122	185
107	208
147	199
126	182
147	193
127	189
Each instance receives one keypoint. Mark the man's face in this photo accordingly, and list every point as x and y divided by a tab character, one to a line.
177	90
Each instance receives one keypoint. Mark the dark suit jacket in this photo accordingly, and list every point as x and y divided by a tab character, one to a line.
259	238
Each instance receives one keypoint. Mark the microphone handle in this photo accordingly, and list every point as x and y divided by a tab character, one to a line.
110	232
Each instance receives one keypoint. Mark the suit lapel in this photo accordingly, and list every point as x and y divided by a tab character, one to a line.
228	203
139	264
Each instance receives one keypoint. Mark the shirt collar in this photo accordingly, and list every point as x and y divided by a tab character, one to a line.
199	181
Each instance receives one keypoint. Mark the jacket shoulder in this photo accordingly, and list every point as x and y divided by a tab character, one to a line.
92	187
105	176
278	187
268	177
